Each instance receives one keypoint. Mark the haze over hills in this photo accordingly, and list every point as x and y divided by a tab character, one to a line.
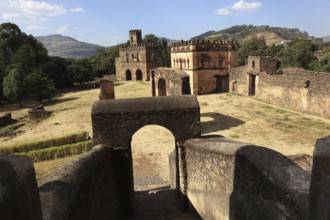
64	46
68	47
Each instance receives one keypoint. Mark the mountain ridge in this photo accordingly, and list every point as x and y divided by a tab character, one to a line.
68	47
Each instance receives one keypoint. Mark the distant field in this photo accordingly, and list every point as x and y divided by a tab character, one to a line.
240	118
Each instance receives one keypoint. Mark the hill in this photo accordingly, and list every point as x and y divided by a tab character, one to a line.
68	47
272	35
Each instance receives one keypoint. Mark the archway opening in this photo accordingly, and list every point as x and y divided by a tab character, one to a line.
138	75
161	87
128	75
252	85
151	148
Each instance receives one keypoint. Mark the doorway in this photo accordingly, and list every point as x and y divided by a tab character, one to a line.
252	85
161	87
128	75
138	75
222	83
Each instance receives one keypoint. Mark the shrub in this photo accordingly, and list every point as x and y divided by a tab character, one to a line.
59	151
42	144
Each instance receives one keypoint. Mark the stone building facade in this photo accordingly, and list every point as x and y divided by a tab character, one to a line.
169	82
207	63
294	88
136	59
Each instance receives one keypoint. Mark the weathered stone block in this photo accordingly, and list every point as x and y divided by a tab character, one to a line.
83	189
19	196
319	203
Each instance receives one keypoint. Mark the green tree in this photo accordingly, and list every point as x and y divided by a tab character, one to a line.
251	47
101	63
81	70
14	85
113	53
57	71
40	87
165	52
150	38
299	53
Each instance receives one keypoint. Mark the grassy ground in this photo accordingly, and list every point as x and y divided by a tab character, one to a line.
240	118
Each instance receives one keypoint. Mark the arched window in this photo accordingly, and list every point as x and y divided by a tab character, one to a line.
253	64
127	57
132	55
188	63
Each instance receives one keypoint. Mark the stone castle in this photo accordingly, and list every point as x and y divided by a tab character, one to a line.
217	177
136	58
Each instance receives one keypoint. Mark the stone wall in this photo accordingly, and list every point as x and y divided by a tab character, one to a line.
19	196
116	121
294	88
85	188
232	180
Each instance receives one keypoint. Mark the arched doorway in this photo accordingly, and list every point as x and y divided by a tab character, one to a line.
128	75
160	111
151	146
138	75
153	86
161	87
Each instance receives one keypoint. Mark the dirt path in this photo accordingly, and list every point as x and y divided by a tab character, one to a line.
162	204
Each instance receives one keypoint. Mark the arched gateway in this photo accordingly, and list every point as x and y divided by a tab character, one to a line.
116	121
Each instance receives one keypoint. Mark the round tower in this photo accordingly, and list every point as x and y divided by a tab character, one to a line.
135	37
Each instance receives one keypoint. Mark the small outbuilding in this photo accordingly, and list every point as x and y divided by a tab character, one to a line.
169	82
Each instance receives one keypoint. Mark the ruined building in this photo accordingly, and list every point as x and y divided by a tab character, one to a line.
207	63
293	88
137	58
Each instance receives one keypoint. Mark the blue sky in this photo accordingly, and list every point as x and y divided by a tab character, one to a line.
106	22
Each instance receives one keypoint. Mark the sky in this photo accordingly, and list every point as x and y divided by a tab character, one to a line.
107	22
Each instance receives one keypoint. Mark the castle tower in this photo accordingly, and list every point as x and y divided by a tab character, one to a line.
135	37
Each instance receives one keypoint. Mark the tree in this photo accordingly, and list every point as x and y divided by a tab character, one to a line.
11	37
14	85
101	63
57	71
40	87
299	53
113	53
252	47
150	38
165	52
81	70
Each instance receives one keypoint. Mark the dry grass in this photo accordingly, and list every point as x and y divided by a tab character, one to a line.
241	118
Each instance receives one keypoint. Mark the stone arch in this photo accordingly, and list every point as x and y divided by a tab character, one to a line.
116	121
138	75
128	75
153	164
161	87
